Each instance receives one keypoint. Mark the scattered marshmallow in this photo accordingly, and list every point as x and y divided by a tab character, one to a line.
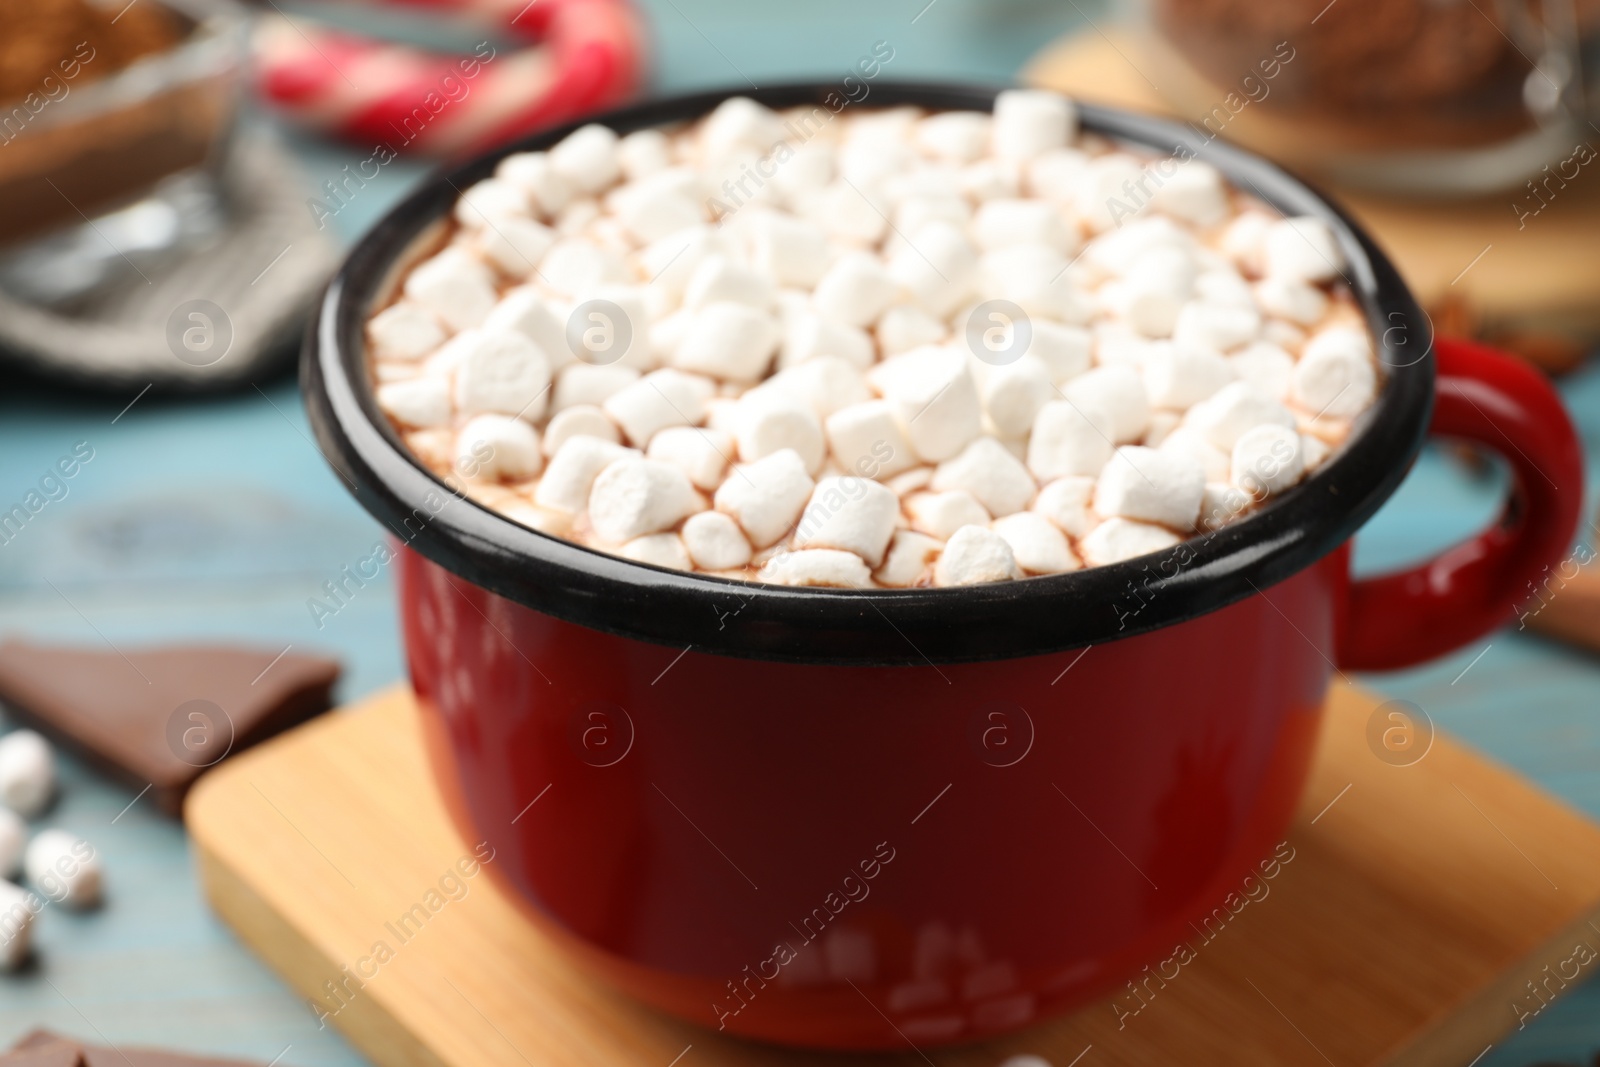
1335	375
659	549
715	542
579	420
1118	539
572	471
1069	438
1266	367
986	468
580	384
660	399
27	772
818	567
975	554
905	327
587	158
419	402
1302	249
942	514
728	340
455	286
405	331
498	448
1065	502
547	191
515	245
850	513
636	496
1013	394
1178	377
866	438
500	372
1223	417
855	290
770	421
909	560
766	496
1151	485
1120	394
1036	544
1028	122
64	868
702	455
529	312
934	399
1267	459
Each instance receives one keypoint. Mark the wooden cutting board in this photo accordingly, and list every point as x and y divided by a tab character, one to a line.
1532	284
1422	900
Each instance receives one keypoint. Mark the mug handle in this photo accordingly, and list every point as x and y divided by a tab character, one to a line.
1488	398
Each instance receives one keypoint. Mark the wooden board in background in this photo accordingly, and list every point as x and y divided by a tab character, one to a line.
1540	278
1420	902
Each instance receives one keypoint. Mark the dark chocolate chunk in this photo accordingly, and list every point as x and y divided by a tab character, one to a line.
41	1048
161	716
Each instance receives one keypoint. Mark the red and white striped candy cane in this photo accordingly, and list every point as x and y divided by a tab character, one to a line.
581	56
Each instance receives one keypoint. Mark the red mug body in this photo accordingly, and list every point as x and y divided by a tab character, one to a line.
849	857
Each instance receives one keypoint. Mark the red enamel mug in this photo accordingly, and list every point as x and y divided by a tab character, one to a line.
856	819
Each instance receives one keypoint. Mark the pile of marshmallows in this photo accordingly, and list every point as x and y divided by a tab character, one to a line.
61	867
885	349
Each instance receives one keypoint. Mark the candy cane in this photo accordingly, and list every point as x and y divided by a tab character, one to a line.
581	56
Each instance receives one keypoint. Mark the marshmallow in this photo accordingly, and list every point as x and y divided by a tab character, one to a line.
1037	545
643	153
1188	442
1221	504
1118	251
526	311
909	481
975	554
866	438
906	327
1004	223
1290	299
1013	393
13	839
769	421
818	567
672	261
581	384
1118	539
715	542
908	560
1065	502
1028	122
635	496
572	471
942	514
809	336
702	455
1153	293
721	278
1069	438
1224	285
1194	193
16	926
1054	175
657	208
659	549
515	245
1178	377
1221	418
547	192
579	420
574	264
1302	249
1220	327
455	286
1162	423
788	250
500	372
1066	351
766	496
994	477
850	513
1244	240
660	399
1335	375
855	290
1286	335
1266	367
935	400
824	384
488	203
1036	279
954	136
1119	393
990	178
498	448
1151	485
937	266
739	125
420	402
587	158
64	868
1267	459
404	331
1313	452
848	213
610	324
1101	198
731	341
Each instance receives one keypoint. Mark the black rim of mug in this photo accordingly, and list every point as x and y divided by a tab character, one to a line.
879	627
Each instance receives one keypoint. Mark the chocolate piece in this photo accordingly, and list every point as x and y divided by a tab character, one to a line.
41	1048
161	716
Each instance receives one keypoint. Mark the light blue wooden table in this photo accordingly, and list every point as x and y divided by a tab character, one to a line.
217	519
